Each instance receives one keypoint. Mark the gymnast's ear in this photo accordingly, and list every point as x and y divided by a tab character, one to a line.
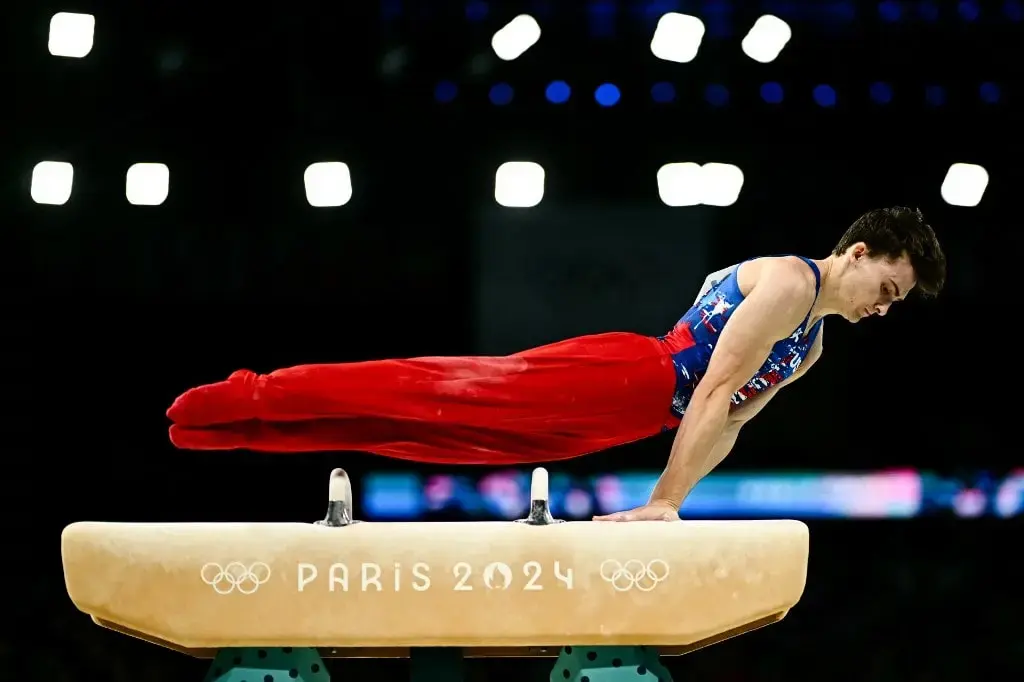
858	251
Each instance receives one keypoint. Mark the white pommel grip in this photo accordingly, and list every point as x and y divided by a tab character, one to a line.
540	512
340	487
339	501
539	485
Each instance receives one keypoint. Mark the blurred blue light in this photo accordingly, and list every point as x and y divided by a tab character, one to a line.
653	9
718	18
840	11
501	94
881	92
825	96
787	10
445	91
890	10
928	10
968	10
607	95
989	93
476	10
1014	10
601	18
558	92
663	92
717	95
935	95
772	93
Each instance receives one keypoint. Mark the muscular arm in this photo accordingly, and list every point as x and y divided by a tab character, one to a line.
778	302
749	409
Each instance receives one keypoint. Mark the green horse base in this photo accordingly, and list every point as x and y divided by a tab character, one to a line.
574	664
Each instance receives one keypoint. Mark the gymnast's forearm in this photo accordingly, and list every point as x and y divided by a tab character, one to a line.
722	449
703	426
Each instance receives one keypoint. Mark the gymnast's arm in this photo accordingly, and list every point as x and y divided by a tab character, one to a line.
750	408
776	305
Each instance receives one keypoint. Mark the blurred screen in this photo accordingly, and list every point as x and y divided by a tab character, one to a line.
505	494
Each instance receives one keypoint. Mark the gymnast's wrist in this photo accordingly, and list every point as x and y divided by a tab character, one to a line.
661	501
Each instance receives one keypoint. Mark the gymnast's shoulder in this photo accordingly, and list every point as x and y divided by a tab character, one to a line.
778	277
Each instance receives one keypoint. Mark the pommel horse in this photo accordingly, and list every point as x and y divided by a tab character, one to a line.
269	601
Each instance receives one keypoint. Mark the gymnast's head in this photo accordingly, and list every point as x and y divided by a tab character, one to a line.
884	255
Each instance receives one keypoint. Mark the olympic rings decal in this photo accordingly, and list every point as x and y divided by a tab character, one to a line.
235	577
634	574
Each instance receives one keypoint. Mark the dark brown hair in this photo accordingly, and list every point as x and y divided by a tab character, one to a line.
892	232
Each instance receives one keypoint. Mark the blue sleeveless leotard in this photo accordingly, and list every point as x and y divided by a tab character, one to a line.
695	334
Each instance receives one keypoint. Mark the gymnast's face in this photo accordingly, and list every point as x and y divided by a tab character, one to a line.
873	284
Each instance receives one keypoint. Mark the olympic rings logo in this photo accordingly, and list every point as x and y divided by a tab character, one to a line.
236	576
634	574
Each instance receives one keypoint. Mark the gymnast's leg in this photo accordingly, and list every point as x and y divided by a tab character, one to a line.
456	389
421	442
587	393
582	377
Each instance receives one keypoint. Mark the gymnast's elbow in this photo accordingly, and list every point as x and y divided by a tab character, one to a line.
716	396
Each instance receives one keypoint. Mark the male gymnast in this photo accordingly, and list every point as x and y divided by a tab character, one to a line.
754	328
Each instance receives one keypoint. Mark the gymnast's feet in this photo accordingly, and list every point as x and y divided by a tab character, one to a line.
224	402
226	437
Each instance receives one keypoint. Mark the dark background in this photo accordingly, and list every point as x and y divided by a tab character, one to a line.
112	310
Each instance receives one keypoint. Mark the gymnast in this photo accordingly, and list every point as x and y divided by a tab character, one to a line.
753	328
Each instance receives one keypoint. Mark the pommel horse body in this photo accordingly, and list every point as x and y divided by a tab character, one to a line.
269	601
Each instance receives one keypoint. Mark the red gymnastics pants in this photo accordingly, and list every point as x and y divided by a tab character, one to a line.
554	402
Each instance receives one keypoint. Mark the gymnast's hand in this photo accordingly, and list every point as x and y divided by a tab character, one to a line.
655	511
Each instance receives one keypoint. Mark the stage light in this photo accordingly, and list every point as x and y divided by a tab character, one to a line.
766	38
558	92
890	10
71	35
52	182
501	94
717	95
964	185
825	96
476	10
772	93
677	37
881	92
968	10
445	92
989	93
679	184
147	184
328	184
607	95
722	184
690	184
516	37
519	184
663	93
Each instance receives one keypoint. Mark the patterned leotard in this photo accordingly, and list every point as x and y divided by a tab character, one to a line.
697	332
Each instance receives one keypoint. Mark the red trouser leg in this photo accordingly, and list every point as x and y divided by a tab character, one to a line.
565	399
417	441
